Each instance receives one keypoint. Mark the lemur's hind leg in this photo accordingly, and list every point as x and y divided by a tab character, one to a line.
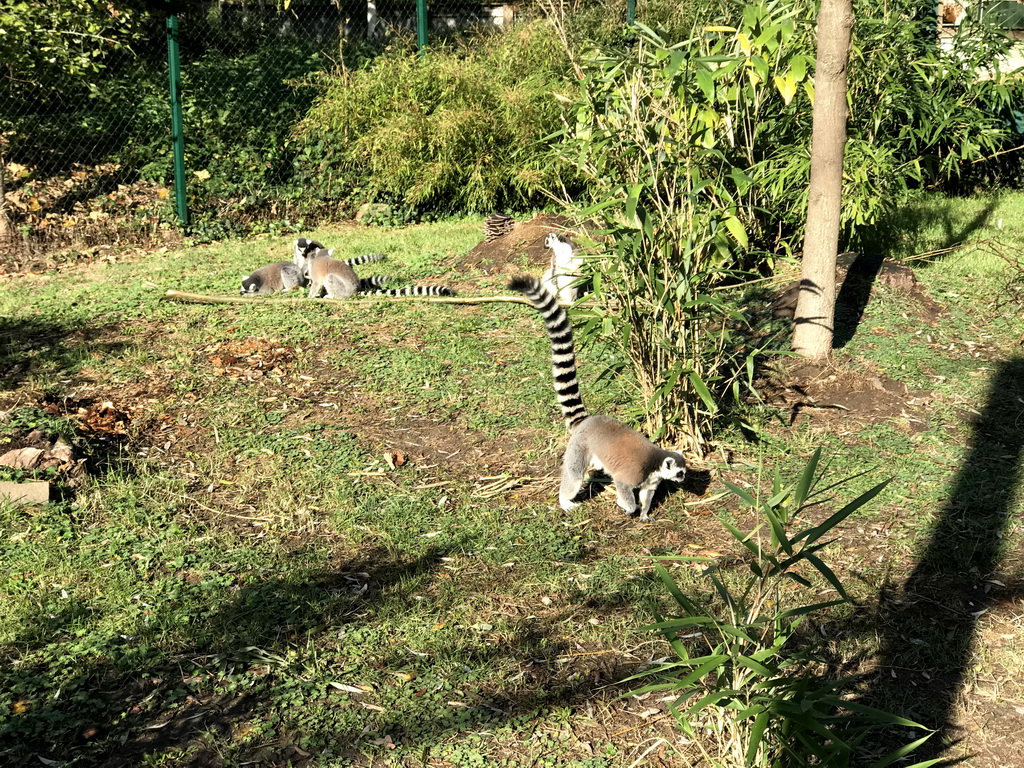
574	471
625	497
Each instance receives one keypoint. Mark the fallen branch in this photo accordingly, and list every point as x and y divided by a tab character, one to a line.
992	243
199	298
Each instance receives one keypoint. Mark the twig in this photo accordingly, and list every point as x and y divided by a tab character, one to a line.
642	725
997	154
200	298
950	249
588	653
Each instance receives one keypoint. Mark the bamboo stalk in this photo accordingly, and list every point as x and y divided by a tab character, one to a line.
200	298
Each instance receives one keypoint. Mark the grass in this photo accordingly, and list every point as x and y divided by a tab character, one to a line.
330	535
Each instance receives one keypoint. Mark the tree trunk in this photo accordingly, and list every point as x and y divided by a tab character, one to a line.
7	248
815	307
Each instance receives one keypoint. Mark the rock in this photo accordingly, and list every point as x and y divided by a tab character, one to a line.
22	458
36	492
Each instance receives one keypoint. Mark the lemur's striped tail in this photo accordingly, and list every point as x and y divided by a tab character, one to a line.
563	356
366	258
417	290
369	284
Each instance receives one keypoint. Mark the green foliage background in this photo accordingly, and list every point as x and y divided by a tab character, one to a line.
281	127
461	129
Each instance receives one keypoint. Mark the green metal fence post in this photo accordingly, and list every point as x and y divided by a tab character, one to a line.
177	124
421	26
630	12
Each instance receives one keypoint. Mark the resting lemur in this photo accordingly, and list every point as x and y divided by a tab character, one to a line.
338	280
597	442
280	276
562	277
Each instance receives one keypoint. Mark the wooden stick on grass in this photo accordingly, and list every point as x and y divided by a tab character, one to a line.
200	298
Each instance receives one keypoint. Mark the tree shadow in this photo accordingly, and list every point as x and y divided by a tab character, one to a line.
909	223
133	697
863	269
852	298
928	624
30	347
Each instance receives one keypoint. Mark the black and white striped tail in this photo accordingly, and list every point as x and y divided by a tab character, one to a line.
417	290
366	258
563	356
369	284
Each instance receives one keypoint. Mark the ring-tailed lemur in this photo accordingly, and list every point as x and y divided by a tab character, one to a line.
597	442
303	247
280	276
338	280
562	277
307	250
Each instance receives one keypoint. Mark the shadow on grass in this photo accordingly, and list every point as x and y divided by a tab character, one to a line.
905	228
112	701
30	347
929	624
852	298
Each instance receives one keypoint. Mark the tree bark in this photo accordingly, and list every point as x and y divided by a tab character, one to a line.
815	307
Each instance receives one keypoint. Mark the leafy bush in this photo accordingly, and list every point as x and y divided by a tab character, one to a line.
459	129
752	689
697	157
667	136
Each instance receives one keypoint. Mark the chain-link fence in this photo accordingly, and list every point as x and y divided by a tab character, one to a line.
86	158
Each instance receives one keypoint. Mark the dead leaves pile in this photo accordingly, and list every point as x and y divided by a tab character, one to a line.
103	419
45	454
249	359
58	201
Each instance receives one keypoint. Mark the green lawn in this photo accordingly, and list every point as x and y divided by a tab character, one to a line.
327	533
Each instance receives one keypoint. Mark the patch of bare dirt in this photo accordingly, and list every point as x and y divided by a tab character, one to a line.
525	242
825	394
856	274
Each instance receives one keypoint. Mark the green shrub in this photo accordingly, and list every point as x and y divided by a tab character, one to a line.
696	153
667	136
459	129
746	678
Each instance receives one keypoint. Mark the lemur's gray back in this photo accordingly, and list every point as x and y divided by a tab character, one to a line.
280	276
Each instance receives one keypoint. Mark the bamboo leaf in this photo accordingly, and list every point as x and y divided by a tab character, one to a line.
737	230
756	737
803	486
813	534
702	391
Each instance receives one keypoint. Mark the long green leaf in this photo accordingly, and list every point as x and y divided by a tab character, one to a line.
905	750
673	589
753	666
712	664
803	485
741	537
746	497
825	571
702	391
756	736
803	610
778	531
813	534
